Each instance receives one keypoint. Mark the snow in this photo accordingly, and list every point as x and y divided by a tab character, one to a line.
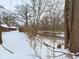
4	25
16	42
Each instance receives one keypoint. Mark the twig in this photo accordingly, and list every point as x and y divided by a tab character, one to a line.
7	49
47	45
37	54
56	51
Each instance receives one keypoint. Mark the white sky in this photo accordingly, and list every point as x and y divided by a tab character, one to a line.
9	4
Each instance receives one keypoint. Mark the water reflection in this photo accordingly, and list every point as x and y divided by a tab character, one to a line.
47	47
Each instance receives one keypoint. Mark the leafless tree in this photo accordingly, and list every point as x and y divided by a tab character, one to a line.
55	10
37	9
53	16
8	19
23	11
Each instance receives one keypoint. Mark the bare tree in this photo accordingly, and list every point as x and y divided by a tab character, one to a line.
53	15
37	9
23	12
45	23
55	11
8	19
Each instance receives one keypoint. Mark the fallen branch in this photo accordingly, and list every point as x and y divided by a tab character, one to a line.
7	49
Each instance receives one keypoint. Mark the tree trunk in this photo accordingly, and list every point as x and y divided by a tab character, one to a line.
0	37
72	26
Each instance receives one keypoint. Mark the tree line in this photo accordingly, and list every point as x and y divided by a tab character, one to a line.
38	14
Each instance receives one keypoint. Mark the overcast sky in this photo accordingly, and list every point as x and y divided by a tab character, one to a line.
9	4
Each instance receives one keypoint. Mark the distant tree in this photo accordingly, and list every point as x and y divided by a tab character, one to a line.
23	12
55	11
45	23
37	8
8	19
34	12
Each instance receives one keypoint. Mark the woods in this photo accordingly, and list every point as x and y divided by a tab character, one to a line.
43	13
48	27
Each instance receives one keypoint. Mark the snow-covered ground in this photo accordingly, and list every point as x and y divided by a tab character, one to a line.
17	43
